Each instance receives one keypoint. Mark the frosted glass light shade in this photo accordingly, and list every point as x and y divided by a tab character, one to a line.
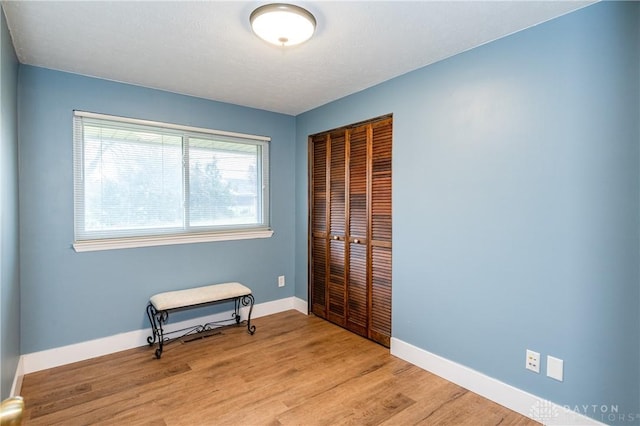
282	24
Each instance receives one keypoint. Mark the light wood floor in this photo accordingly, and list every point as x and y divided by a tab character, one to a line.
296	370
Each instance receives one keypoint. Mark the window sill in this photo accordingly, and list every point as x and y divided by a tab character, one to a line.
165	240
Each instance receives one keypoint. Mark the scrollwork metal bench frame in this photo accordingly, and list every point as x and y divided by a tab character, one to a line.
160	305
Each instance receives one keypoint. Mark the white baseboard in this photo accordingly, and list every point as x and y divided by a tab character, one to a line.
16	387
301	305
506	395
36	361
275	306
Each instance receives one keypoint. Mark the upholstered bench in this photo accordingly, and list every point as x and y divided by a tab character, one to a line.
162	303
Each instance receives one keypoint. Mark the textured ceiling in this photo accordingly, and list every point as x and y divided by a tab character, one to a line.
207	49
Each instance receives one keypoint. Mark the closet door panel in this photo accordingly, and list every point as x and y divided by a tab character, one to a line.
381	183
319	277
337	185
319	185
380	328
381	232
337	227
318	226
357	289
358	201
336	312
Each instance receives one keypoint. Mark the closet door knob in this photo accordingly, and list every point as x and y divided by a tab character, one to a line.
357	241
335	237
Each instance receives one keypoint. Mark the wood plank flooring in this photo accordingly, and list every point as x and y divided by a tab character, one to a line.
296	370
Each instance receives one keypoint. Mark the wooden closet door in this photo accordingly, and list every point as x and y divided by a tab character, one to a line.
337	228
358	211
380	327
318	225
350	228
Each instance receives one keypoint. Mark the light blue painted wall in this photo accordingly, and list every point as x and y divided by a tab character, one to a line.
516	205
9	237
70	297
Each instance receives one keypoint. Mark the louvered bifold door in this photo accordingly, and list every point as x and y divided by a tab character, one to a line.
318	225
357	208
380	327
337	227
350	227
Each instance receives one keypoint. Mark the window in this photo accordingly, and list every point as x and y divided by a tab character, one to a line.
140	183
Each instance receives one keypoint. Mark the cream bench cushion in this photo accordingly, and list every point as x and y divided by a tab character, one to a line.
198	295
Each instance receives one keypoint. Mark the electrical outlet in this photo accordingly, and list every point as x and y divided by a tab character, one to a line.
533	361
281	281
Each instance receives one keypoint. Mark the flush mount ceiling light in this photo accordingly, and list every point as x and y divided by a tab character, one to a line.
282	24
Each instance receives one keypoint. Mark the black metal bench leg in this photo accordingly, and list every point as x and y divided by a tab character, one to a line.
236	311
248	300
156	318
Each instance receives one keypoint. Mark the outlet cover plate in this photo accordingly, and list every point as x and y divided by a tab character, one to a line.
533	361
555	368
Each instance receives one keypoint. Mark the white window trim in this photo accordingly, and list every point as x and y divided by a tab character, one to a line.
169	239
169	125
165	240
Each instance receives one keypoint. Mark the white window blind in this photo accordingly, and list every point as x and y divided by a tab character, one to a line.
139	183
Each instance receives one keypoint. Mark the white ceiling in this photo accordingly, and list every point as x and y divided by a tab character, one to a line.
207	49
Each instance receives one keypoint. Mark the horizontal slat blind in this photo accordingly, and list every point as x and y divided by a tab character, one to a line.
142	179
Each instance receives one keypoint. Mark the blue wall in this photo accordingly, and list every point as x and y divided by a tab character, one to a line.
9	237
516	208
70	297
516	205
